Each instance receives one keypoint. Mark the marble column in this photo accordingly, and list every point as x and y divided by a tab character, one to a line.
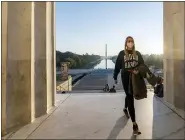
174	51
4	65
49	54
54	50
18	83
40	58
28	57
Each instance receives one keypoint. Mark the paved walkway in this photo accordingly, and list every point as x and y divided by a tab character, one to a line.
100	116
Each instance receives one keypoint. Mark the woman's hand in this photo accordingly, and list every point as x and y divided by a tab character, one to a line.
135	71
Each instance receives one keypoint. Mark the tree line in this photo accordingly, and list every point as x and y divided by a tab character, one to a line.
76	60
155	60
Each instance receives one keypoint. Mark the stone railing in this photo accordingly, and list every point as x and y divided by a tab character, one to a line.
64	85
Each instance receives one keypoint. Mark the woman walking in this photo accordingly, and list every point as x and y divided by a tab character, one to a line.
127	61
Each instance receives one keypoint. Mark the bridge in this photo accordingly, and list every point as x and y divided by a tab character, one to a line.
31	109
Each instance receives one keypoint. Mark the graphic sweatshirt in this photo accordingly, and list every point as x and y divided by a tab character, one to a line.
125	64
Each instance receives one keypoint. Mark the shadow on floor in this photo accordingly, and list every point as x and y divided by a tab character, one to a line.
120	124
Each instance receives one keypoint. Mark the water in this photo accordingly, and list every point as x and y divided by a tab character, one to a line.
101	65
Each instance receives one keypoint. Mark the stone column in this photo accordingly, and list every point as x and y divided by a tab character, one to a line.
174	63
4	65
54	50
168	54
44	57
49	54
18	83
40	59
33	62
28	62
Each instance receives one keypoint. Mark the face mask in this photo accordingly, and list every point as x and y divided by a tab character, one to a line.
130	45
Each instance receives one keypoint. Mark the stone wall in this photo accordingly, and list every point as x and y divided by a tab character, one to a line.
174	51
28	57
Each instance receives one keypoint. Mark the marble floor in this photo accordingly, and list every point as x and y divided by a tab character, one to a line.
100	116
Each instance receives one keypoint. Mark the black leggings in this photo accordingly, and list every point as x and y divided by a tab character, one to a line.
129	103
129	99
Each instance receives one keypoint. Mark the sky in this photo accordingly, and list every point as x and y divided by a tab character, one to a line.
85	27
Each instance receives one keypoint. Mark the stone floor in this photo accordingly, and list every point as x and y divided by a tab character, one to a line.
100	116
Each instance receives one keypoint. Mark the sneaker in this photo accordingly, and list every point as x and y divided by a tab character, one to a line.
126	113
136	130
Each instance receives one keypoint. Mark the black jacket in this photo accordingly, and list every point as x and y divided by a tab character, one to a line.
151	78
124	65
139	87
138	83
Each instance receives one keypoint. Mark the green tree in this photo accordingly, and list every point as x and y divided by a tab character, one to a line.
76	61
72	62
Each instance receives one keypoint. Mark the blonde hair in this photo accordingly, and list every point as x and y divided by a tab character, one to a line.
133	49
